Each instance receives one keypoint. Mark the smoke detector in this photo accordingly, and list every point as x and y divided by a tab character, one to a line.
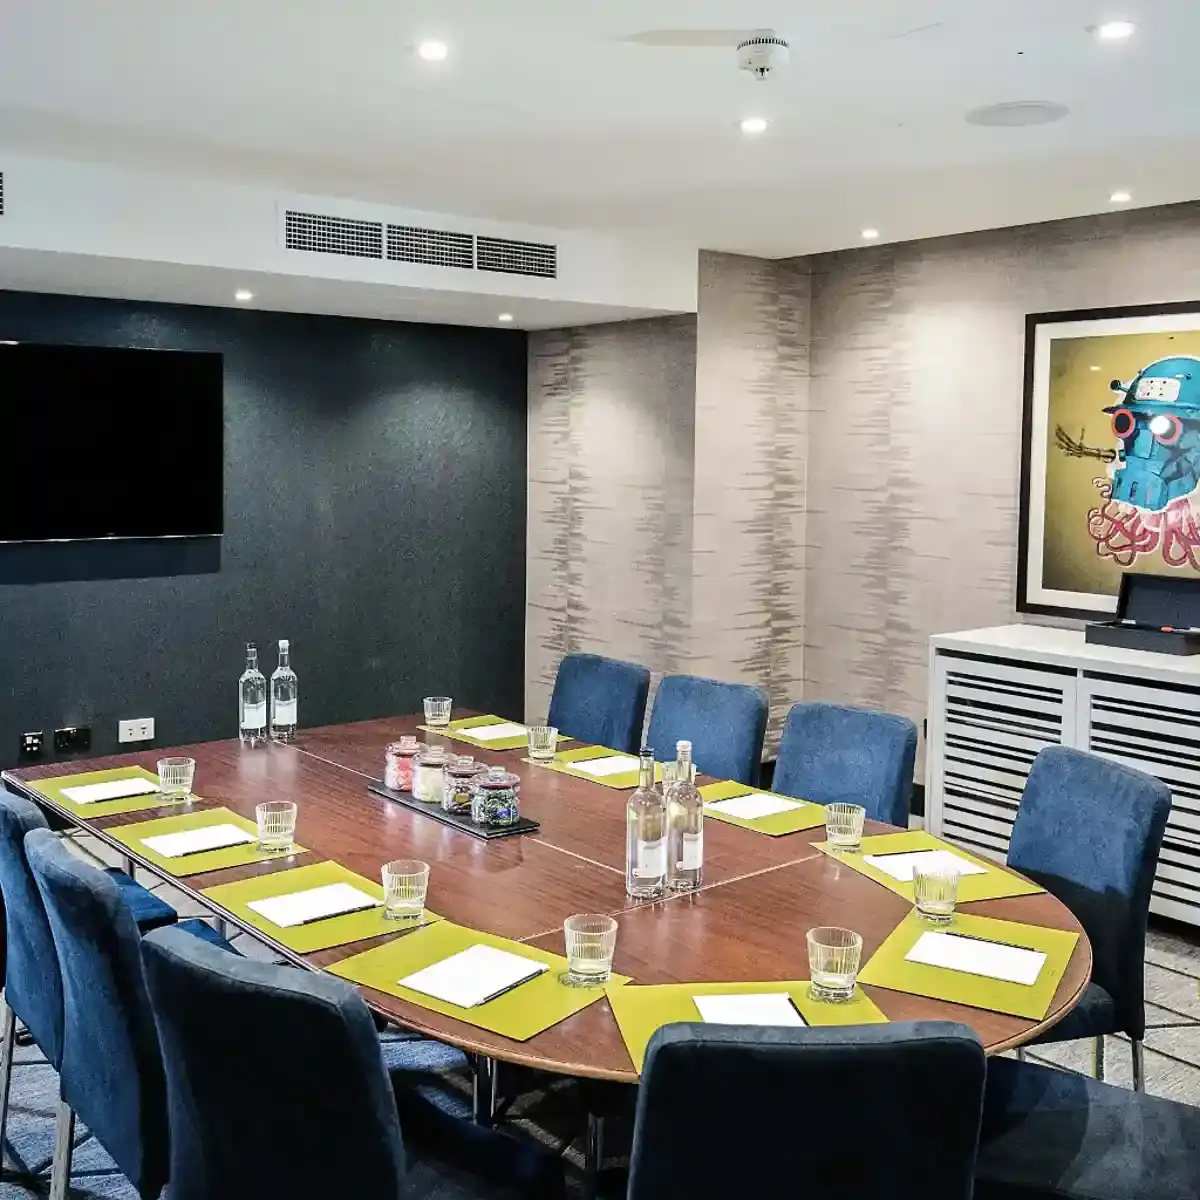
763	53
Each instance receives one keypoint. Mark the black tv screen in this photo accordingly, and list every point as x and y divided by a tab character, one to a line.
110	443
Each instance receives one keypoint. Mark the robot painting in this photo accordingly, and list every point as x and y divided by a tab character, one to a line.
1111	467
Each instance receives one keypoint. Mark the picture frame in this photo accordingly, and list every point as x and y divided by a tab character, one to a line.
1091	375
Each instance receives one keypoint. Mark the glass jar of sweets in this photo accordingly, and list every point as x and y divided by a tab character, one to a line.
429	774
461	773
495	799
398	764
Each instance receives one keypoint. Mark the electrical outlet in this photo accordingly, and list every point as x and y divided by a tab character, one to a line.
72	739
31	745
138	729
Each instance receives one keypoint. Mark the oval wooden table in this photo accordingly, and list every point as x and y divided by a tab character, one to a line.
747	923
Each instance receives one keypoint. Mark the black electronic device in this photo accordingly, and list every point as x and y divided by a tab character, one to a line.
1160	613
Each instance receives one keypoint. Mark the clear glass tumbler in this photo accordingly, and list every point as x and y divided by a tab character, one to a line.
175	777
276	825
844	826
833	958
935	891
543	742
405	883
437	711
591	942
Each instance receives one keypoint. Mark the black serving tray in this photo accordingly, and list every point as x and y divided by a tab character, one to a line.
485	832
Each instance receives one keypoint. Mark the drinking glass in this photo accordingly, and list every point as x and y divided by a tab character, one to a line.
844	826
437	711
833	956
543	742
405	883
276	825
591	941
175	777
935	891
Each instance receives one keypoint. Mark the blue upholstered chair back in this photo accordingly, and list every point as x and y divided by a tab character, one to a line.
600	700
852	1112
260	1056
725	723
1089	831
833	752
32	983
111	1072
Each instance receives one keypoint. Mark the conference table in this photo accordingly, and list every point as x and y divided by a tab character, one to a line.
746	923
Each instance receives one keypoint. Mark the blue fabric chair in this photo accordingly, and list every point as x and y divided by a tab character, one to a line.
261	1056
1051	1135
32	987
832	752
110	1070
600	700
1089	831
725	722
854	1112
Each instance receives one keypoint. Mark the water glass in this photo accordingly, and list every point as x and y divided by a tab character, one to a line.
276	826
543	742
591	941
437	711
833	957
844	826
175	777
935	890
405	883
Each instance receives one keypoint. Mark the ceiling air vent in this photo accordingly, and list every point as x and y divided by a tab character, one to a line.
516	258
333	235
433	247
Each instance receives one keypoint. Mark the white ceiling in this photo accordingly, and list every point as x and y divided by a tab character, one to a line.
543	114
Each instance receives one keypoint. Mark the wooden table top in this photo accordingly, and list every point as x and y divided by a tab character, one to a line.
748	922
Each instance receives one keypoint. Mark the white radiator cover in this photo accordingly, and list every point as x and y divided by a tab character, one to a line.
998	696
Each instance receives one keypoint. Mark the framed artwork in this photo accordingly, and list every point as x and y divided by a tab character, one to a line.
1110	454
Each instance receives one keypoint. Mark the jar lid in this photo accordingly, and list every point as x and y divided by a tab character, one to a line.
498	777
432	754
404	747
463	766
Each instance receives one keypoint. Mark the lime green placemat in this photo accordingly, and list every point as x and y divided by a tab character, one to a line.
207	860
565	762
889	969
460	731
52	789
318	935
995	885
776	825
520	1014
640	1011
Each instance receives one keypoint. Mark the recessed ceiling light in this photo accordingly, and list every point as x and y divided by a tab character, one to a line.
243	294
754	125
505	318
870	234
1120	198
1115	31
1093	368
433	51
1016	113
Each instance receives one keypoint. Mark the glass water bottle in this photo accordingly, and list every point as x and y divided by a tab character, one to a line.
283	698
646	836
252	700
685	817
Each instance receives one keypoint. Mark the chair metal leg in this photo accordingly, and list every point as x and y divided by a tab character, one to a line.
1139	1065
8	1040
1098	1057
484	1090
64	1139
221	926
593	1154
1020	1054
127	865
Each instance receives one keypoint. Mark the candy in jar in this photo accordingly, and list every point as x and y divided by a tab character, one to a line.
429	774
461	773
398	764
495	798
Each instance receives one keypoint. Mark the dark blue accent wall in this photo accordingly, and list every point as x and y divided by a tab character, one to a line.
374	515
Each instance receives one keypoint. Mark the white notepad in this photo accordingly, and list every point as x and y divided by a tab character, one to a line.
315	904
474	976
611	764
113	789
194	841
748	1010
494	733
1012	964
757	804
901	866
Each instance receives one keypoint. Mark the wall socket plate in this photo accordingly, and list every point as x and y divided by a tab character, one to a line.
32	745
136	729
72	739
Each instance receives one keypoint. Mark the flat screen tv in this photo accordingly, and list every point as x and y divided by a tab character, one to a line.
110	443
